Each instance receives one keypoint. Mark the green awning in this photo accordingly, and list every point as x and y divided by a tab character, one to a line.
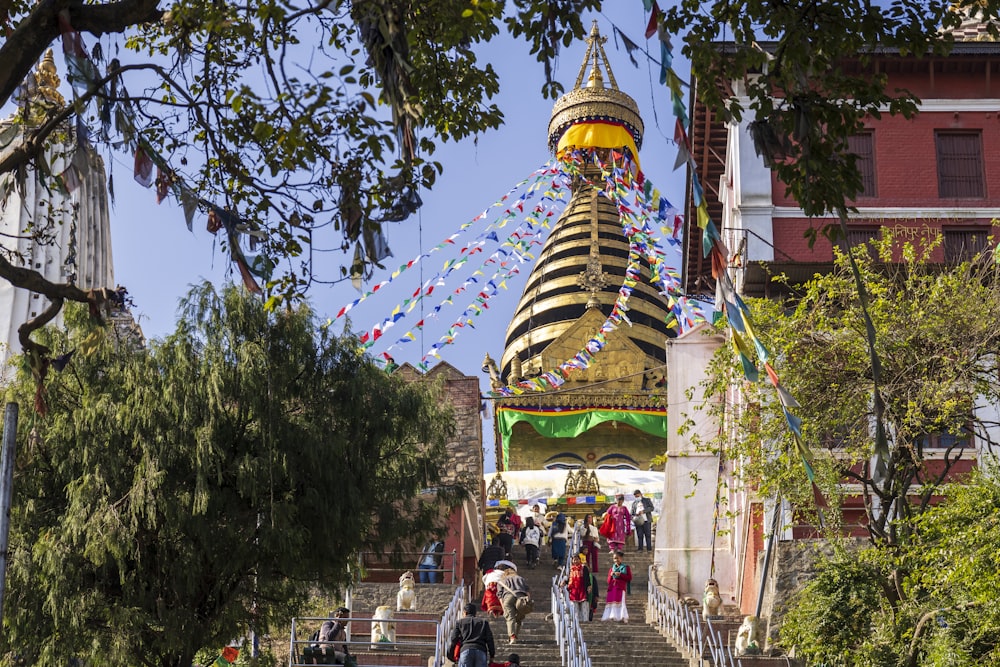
571	422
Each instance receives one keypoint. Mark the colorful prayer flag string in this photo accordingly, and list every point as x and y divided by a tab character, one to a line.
540	174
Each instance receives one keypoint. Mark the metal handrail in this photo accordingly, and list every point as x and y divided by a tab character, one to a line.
448	622
566	622
295	644
452	556
683	625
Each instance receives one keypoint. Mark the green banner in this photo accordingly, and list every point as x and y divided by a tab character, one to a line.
572	422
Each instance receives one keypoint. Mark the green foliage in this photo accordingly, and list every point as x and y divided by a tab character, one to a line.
949	611
936	357
955	564
833	615
805	71
314	123
176	496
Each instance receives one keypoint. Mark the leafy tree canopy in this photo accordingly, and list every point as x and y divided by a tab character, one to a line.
178	495
311	125
307	125
938	363
951	612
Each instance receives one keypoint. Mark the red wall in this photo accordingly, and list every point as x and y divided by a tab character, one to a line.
906	169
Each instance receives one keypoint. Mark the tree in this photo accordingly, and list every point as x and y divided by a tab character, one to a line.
178	495
950	614
324	155
936	333
290	124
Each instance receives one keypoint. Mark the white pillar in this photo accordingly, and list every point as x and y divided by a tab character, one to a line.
684	531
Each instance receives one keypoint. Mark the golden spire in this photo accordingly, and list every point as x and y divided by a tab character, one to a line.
39	92
575	280
595	100
48	80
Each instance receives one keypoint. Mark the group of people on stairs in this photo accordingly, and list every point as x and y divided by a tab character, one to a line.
581	585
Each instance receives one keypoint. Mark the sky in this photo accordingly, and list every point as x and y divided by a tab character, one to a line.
156	258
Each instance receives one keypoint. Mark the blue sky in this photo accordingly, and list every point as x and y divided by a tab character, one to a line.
156	257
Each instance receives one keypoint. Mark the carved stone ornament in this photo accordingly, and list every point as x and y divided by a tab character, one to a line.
497	489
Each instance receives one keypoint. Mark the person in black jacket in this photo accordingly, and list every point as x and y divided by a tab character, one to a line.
474	640
491	554
331	641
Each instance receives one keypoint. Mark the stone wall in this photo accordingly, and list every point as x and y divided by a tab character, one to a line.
792	565
465	449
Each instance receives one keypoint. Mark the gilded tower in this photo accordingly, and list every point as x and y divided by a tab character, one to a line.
612	413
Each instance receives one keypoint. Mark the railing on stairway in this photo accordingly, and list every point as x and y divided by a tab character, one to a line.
372	566
569	634
683	626
455	610
442	633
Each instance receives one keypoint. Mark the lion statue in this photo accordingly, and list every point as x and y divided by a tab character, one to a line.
383	629
746	637
711	601
406	598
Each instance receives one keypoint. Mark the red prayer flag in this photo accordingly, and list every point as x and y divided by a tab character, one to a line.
654	19
771	374
143	168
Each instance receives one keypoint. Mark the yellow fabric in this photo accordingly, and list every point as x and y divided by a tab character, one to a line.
703	218
598	134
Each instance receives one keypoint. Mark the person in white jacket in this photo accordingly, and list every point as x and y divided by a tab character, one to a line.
531	538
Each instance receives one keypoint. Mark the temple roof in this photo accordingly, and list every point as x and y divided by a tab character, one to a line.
582	266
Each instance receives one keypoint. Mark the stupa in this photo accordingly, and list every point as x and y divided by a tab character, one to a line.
611	415
56	223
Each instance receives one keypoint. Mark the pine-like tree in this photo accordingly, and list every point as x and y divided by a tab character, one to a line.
177	495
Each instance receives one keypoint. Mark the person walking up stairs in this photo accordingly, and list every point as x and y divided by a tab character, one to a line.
608	644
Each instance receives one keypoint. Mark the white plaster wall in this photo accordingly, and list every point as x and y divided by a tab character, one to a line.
685	528
988	413
79	221
754	202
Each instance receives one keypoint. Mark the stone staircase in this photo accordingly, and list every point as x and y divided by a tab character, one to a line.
608	644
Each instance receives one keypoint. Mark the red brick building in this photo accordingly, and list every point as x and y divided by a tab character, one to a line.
936	173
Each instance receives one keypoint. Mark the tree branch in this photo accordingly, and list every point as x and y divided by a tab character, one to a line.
26	44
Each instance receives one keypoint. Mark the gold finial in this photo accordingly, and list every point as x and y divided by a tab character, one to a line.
595	57
39	91
48	80
490	366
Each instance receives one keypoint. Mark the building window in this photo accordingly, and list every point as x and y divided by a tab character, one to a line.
944	441
863	146
962	245
960	164
861	236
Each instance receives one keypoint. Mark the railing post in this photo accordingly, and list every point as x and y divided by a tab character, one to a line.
6	484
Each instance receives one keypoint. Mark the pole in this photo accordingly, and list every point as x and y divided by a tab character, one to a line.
767	555
6	488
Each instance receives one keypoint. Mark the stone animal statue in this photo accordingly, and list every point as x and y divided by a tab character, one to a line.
689	601
711	601
383	629
746	637
406	598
